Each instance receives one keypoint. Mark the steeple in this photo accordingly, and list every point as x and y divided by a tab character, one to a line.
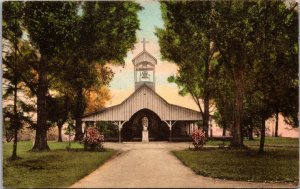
144	68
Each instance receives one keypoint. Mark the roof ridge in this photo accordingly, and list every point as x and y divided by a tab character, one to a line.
144	51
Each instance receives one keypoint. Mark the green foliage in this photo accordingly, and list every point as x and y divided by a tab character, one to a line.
17	113
57	110
252	51
222	93
104	34
186	41
50	25
12	15
107	30
23	114
108	129
70	130
64	47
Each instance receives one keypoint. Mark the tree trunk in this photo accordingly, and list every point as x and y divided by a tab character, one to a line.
224	129
14	154
40	143
16	124
250	133
16	117
276	124
237	139
59	132
206	93
78	114
262	136
206	116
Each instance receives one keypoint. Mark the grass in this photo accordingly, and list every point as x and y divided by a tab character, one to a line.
270	141
275	141
277	164
56	168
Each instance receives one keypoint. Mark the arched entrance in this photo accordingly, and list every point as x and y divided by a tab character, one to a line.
132	129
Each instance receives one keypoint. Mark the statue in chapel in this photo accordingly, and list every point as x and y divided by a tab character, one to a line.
145	123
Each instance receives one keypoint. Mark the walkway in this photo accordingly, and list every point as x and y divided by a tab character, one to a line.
151	165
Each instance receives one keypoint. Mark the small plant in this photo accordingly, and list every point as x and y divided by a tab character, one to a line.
93	140
199	139
69	131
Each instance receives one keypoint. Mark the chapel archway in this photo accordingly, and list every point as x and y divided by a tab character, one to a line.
132	129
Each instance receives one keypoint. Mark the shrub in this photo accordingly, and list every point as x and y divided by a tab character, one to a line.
69	131
93	140
199	139
108	129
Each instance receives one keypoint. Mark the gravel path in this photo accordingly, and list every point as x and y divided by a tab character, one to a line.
151	165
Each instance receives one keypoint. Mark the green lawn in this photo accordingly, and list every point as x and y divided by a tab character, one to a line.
278	164
270	141
275	141
56	168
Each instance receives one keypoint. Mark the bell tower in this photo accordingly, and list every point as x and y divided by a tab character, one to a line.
144	68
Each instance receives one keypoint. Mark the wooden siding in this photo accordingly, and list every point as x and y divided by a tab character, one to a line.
144	98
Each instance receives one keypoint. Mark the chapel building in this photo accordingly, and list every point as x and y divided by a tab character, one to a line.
145	115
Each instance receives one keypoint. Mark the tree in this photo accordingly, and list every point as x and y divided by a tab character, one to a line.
186	41
221	86
19	111
69	130
247	37
80	77
278	51
97	98
232	37
287	62
63	38
12	31
105	32
50	26
58	109
252	36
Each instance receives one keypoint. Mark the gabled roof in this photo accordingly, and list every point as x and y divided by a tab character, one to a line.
141	54
136	102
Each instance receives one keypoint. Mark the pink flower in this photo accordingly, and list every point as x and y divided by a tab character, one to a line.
198	137
94	136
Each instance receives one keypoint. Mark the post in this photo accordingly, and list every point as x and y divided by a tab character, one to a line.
120	127
84	124
170	135
170	128
211	130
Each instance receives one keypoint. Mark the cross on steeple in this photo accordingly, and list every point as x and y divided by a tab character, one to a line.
144	44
